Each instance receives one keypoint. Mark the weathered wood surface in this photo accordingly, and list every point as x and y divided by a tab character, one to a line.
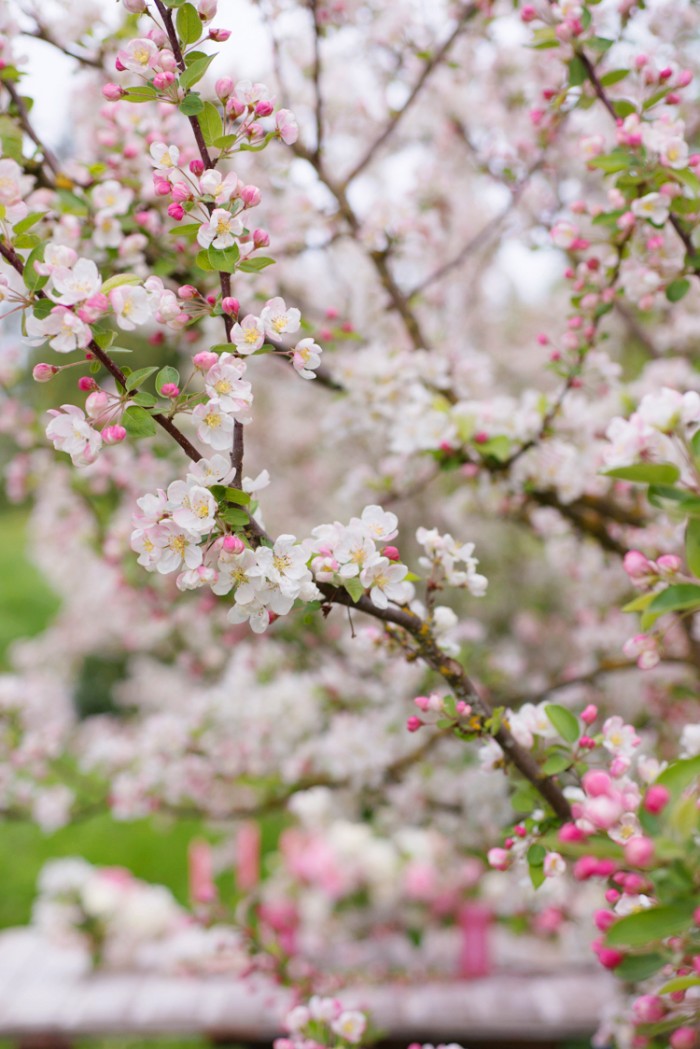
49	990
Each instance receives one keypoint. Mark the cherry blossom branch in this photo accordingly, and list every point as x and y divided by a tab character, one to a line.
479	239
11	256
316	78
600	92
379	259
25	123
40	32
431	65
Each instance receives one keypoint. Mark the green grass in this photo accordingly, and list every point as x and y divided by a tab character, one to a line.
26	603
155	850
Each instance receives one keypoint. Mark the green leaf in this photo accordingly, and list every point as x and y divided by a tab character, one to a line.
639	967
234	517
173	3
611	162
187	229
137	422
146	400
646	473
614	77
141	94
564	722
639	604
139	376
692	545
202	261
498	448
623	107
26	240
255	265
33	280
681	983
677	289
224	261
211	123
535	855
225	141
236	495
167	375
30	220
680	775
556	763
192	105
42	308
189	24
599	43
652	925
675	598
577	72
354	587
689	179
118	280
537	876
194	73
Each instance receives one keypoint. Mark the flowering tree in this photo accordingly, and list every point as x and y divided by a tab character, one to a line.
557	433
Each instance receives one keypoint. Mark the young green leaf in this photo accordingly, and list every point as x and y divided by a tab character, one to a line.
563	721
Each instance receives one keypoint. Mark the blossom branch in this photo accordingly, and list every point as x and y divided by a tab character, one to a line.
435	60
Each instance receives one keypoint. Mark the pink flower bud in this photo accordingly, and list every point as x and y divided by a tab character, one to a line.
135	7
205	360
113	92
649	1009
181	192
570	832
87	384
163	80
118	65
234	107
230	306
414	723
187	291
176	211
264	108
170	389
223	87
250	195
589	714
603	920
669	564
113	434
44	372
391	552
656	799
609	957
261	239
161	186
637	565
528	13
597	783
639	851
219	35
683	1038
665	73
197	167
498	859
232	543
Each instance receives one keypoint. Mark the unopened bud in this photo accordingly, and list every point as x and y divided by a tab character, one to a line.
113	434
113	92
170	389
230	306
44	372
87	384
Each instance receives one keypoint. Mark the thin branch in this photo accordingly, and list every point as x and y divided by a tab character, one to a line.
42	33
316	77
430	66
25	123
